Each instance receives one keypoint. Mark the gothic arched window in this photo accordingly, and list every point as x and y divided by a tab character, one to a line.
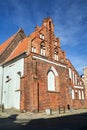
53	80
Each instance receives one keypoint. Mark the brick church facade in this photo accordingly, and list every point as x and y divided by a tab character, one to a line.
36	74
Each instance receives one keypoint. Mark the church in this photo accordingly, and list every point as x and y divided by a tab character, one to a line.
35	73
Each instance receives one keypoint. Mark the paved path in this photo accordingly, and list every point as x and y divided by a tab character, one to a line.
30	115
41	121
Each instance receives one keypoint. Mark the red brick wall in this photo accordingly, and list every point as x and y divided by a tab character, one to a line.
36	95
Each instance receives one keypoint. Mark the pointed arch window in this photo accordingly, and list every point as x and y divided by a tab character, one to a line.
53	80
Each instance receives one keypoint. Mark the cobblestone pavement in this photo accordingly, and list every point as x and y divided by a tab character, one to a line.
30	115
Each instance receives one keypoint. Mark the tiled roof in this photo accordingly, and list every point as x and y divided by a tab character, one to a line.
21	48
6	43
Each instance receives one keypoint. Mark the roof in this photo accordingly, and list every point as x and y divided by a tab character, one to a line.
20	49
6	43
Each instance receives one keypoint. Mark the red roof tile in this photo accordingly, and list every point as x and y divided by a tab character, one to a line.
21	48
6	43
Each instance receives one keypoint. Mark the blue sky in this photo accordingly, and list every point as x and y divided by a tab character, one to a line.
69	17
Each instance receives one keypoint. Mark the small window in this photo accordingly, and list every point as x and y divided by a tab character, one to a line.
42	36
42	51
55	43
56	54
34	49
70	75
73	77
56	57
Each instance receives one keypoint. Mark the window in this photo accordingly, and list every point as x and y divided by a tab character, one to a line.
73	95
70	75
82	94
42	51
73	77
56	54
42	36
34	49
51	81
55	43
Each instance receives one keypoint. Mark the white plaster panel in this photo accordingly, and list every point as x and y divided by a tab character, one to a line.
11	84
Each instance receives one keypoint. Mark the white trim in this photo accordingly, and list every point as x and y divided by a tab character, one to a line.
79	87
54	70
39	58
